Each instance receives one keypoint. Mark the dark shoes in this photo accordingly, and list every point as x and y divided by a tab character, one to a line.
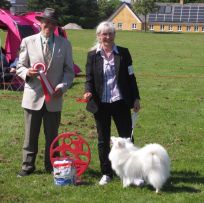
23	173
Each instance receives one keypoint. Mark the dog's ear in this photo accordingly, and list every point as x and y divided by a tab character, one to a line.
121	144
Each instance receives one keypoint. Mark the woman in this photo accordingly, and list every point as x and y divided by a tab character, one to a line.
111	91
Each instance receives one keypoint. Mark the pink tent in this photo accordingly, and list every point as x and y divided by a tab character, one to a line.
17	28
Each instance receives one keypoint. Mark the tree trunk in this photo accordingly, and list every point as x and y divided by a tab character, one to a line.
145	23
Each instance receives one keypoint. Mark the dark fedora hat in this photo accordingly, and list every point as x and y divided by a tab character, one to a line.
49	14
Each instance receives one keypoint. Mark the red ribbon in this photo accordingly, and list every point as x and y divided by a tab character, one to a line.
47	87
81	100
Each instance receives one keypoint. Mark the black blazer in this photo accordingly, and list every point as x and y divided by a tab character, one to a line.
94	78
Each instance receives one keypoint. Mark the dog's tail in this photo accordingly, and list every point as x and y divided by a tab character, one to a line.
159	171
159	156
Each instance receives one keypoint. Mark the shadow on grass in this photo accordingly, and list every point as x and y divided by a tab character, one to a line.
177	177
76	83
86	178
182	177
89	177
81	76
91	173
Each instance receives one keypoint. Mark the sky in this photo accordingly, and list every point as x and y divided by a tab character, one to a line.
128	1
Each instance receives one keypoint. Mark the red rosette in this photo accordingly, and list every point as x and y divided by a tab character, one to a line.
81	100
40	67
47	87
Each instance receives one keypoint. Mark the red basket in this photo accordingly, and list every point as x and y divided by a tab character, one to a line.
72	146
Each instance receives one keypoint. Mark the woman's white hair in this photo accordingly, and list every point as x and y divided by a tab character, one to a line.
105	26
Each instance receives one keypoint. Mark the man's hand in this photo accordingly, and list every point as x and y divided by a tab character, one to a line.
58	93
32	73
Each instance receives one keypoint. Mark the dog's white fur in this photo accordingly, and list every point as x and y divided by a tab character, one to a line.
150	163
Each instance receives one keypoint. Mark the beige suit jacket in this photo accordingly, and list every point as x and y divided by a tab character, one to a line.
59	72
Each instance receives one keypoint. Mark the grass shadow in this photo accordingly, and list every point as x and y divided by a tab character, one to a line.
76	83
89	177
92	173
182	177
187	177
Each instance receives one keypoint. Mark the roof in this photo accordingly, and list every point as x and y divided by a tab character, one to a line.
72	26
176	13
123	5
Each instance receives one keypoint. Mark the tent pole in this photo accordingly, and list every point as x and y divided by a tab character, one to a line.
2	64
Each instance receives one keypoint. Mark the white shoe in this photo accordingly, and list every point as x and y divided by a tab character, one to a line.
104	180
138	182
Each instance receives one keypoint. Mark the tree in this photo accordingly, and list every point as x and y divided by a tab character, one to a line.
144	7
61	6
5	4
106	8
82	12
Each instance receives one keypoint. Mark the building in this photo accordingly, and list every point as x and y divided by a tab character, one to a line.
125	19
170	17
179	17
18	6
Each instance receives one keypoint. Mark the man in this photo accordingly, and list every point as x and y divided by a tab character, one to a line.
56	53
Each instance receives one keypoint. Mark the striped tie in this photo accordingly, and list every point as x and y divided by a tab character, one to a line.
47	53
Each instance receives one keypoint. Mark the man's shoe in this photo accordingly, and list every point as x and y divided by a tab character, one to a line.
105	180
23	173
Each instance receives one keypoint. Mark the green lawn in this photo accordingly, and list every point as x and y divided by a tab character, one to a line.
170	75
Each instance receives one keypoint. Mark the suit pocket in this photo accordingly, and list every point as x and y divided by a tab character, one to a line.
92	106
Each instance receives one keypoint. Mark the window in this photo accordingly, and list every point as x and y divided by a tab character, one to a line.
151	27
162	9
188	28
161	27
120	26
179	28
196	28
134	26
168	9
203	29
170	28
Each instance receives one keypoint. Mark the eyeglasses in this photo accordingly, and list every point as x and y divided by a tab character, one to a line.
105	34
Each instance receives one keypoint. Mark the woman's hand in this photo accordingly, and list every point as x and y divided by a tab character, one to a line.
87	96
136	107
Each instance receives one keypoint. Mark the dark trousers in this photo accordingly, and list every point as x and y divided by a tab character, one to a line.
33	121
121	115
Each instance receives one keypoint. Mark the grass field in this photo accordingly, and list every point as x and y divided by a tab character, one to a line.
170	75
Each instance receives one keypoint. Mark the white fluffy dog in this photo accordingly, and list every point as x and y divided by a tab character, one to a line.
150	163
